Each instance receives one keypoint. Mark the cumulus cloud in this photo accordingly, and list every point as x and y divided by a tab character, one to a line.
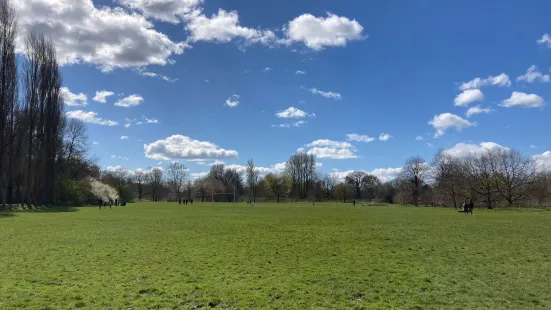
124	137
233	101
95	143
106	37
181	147
326	94
466	149
325	148
543	160
223	27
267	69
468	96
532	75
291	112
101	96
90	117
501	80
478	110
418	138
130	101
444	121
359	138
525	100
164	10
329	143
332	153
385	136
320	32
298	72
545	39
73	100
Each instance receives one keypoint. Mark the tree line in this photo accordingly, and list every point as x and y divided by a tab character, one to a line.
43	158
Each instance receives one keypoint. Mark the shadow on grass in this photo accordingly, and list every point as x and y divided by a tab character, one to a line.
41	209
6	215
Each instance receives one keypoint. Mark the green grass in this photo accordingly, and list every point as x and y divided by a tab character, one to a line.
166	256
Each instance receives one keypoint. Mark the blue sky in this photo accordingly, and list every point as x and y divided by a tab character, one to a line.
400	68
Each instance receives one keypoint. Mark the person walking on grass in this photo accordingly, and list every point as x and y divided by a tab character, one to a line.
100	203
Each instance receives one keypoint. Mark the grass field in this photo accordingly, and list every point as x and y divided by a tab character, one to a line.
170	256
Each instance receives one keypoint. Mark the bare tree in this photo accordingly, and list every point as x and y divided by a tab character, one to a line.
481	177
414	175
355	179
252	179
76	140
120	178
449	179
328	183
8	93
515	175
301	168
177	175
139	180
154	179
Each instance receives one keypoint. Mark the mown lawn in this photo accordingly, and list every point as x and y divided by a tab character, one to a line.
170	256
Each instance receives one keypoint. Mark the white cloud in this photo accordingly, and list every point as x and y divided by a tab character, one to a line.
523	100
95	143
267	69
501	80
545	39
478	110
330	149
320	32
181	147
90	117
107	37
468	96
101	96
223	27
233	101
329	143
130	101
543	160
142	72
533	146
418	138
466	149
124	137
326	94
164	10
384	174
73	100
291	112
127	125
300	72
332	153
299	123
359	138
442	122
532	74
385	137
